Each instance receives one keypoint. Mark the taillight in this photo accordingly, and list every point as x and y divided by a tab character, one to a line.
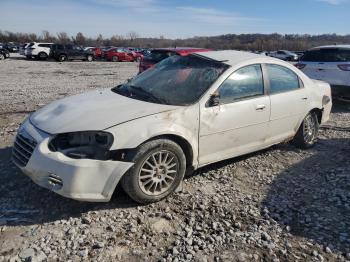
345	67
299	66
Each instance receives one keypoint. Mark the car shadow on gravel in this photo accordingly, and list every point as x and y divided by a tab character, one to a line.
312	197
22	202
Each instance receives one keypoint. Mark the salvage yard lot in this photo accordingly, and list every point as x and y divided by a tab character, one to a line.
278	204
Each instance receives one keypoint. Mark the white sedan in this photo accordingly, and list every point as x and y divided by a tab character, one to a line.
184	113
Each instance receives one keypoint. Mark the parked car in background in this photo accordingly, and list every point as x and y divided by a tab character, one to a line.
119	54
11	47
285	55
67	52
159	54
38	50
22	48
331	64
4	53
135	53
97	51
184	113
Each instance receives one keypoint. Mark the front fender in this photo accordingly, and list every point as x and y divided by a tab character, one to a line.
183	122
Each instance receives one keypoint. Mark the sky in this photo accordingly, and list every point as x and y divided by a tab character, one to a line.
175	18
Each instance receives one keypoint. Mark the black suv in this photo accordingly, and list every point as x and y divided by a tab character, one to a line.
70	52
4	53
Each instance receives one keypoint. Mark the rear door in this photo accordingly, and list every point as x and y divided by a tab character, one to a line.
289	101
331	65
79	52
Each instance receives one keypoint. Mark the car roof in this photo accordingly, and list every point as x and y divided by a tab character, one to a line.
232	57
330	47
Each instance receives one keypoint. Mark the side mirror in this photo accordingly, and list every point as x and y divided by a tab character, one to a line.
214	100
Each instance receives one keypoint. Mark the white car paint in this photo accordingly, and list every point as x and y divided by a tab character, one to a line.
214	133
329	72
284	55
34	49
23	48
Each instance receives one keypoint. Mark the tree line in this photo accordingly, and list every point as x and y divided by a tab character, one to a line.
267	42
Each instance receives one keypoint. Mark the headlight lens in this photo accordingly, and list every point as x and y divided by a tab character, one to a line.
87	144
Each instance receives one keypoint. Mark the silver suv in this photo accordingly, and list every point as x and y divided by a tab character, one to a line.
330	64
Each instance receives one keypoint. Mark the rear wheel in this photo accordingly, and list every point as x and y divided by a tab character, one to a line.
89	58
306	136
158	170
62	58
2	57
115	59
42	56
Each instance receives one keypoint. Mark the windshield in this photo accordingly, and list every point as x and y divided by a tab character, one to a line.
174	81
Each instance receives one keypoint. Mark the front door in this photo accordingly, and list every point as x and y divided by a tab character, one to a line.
239	123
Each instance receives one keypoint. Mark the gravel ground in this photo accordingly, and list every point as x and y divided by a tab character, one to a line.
280	204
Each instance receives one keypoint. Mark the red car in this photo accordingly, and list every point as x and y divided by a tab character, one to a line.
137	55
119	54
159	54
97	52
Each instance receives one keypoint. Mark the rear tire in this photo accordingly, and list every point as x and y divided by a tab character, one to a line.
42	56
159	168
306	137
89	58
62	58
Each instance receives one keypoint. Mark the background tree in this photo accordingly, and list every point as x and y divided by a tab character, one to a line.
63	38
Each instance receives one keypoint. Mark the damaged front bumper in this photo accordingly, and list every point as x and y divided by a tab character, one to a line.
80	179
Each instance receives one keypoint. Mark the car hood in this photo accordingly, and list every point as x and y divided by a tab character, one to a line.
96	110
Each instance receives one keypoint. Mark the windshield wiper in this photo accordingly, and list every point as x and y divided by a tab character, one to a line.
141	92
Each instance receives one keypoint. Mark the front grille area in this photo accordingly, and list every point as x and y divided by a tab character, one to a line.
23	148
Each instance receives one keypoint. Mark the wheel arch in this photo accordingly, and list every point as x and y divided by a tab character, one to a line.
319	113
181	141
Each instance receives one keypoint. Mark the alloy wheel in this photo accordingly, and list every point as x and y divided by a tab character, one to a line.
158	172
309	128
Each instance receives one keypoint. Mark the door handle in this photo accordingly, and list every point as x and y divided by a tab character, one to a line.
304	98
260	107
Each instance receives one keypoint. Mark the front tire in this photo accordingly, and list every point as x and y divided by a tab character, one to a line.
2	57
159	168
306	137
115	59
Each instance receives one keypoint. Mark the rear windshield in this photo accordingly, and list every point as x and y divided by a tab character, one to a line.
327	55
159	55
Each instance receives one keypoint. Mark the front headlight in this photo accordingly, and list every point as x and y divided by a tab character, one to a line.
86	144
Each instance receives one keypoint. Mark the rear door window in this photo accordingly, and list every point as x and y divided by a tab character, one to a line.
282	79
327	55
